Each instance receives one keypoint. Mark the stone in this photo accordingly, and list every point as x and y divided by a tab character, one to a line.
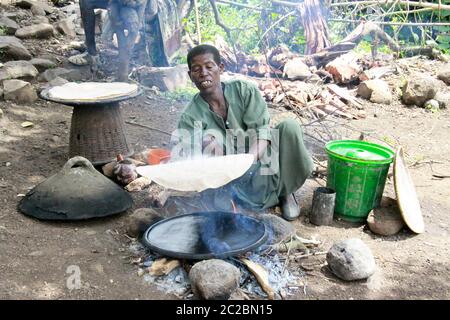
214	279
58	81
1	111
68	74
444	74
37	10
296	69
140	220
13	49
432	105
71	9
25	4
42	64
18	70
419	89
279	229
10	26
40	19
28	4
385	220
443	98
376	91
39	31
66	27
351	259
19	91
166	78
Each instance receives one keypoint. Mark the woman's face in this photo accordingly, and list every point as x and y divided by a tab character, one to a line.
205	73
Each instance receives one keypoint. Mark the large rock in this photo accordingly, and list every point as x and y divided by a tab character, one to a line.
68	74
39	31
42	64
351	260
19	91
296	69
376	91
214	279
37	10
10	26
166	78
18	70
444	74
40	20
419	89
385	220
279	229
66	27
13	49
28	4
140	220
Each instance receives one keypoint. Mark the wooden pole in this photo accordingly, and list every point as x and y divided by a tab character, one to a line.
430	24
406	3
197	22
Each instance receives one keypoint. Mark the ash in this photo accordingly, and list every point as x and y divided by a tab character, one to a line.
283	279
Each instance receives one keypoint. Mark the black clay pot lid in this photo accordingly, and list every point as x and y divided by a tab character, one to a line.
77	192
205	235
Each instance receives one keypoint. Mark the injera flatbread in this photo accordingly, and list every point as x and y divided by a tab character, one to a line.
407	199
91	91
198	174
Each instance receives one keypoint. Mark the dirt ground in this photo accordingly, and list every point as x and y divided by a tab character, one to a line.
38	258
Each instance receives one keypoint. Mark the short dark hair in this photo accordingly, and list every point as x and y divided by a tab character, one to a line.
202	49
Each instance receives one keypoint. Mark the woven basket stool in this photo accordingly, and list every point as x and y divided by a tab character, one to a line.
98	133
97	130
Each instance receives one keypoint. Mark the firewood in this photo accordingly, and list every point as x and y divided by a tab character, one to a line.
261	275
138	184
335	111
376	73
157	195
345	68
345	94
163	266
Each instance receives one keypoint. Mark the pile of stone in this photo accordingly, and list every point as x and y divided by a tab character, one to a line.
28	28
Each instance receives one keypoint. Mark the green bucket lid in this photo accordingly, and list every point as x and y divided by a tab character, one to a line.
359	151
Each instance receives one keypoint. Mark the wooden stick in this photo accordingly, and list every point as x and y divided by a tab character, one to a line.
261	275
405	3
197	23
430	24
148	127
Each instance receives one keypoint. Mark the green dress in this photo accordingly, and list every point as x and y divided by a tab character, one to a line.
286	163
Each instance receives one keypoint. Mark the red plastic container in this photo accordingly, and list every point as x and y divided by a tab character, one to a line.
157	156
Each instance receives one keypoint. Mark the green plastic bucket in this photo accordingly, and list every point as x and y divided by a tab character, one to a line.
357	171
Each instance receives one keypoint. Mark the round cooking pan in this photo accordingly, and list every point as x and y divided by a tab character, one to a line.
205	235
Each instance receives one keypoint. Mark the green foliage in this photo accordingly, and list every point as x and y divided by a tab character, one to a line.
181	95
365	47
3	31
255	31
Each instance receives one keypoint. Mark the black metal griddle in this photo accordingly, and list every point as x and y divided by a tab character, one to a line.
205	235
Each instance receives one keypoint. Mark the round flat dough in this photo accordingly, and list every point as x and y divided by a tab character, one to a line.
92	91
198	174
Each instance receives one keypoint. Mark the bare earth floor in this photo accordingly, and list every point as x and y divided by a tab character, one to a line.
38	258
